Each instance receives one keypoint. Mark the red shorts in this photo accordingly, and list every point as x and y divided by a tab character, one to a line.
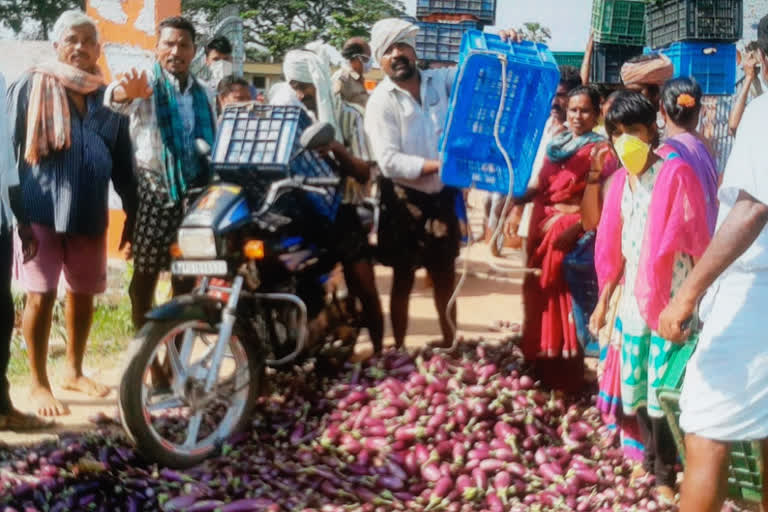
82	258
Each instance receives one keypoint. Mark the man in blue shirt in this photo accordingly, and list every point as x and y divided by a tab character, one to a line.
68	147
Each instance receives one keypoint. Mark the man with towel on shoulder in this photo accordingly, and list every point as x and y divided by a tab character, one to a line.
169	109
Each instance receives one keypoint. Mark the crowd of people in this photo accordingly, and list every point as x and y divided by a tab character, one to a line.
627	222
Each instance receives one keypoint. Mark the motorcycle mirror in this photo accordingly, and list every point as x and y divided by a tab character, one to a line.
317	135
202	147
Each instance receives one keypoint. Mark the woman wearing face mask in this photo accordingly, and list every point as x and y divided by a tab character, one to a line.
549	335
653	227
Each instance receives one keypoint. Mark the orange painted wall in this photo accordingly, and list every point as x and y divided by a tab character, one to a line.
130	36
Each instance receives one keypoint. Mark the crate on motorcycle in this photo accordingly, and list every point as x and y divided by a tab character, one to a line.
259	144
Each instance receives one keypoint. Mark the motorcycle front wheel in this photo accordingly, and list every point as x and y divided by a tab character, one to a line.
164	403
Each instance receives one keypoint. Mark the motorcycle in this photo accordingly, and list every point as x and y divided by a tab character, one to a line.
254	242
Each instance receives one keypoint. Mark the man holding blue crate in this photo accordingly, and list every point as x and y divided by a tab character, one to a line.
419	225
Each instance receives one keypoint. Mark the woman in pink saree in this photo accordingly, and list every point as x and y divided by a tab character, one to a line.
654	226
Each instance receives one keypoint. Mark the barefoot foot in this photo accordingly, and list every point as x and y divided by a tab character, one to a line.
46	404
666	494
638	473
17	421
85	385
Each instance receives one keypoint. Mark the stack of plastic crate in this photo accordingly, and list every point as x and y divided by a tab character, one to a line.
699	37
443	24
619	32
574	59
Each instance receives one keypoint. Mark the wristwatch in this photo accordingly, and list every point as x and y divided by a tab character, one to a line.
593	177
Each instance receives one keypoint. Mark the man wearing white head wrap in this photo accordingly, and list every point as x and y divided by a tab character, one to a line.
418	226
308	74
391	31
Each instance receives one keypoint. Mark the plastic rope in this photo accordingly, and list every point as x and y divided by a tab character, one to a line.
508	160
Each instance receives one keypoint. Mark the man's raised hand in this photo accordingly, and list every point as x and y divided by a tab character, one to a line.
133	85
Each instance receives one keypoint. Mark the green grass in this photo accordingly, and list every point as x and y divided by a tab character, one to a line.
111	330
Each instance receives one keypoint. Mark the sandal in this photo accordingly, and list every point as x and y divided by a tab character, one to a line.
16	421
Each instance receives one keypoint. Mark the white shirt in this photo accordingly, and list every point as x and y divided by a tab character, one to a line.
538	163
747	170
9	173
725	392
145	132
541	154
404	133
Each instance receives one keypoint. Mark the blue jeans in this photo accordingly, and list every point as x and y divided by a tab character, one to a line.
580	274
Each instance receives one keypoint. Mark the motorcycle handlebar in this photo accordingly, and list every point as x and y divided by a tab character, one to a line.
309	184
321	182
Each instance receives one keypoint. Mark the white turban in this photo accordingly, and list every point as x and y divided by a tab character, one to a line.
387	32
282	95
312	66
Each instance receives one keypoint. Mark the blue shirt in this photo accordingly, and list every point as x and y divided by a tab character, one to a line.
69	190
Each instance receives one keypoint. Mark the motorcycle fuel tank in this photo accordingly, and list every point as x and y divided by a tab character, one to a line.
220	207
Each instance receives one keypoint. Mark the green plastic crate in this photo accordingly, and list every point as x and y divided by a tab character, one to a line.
569	58
619	21
745	469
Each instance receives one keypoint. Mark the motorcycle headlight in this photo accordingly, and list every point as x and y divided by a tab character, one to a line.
197	243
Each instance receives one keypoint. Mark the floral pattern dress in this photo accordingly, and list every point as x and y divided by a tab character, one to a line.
644	354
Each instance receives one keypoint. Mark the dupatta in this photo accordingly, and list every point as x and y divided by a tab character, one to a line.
677	223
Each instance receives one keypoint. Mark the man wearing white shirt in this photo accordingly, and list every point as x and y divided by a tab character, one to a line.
418	226
725	392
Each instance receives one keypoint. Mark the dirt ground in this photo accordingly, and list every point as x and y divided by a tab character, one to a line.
487	296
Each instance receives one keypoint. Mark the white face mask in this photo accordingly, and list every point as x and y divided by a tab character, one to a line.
220	69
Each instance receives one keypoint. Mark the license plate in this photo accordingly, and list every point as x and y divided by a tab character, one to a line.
199	268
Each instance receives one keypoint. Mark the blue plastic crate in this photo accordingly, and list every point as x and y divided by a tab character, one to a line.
257	144
469	151
483	10
713	65
441	42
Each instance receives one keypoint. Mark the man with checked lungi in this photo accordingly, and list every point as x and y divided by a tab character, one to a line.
169	109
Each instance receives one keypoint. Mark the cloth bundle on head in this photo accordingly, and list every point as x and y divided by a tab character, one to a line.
48	115
653	71
387	32
311	65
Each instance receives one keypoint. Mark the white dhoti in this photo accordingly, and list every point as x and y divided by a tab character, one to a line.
725	393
